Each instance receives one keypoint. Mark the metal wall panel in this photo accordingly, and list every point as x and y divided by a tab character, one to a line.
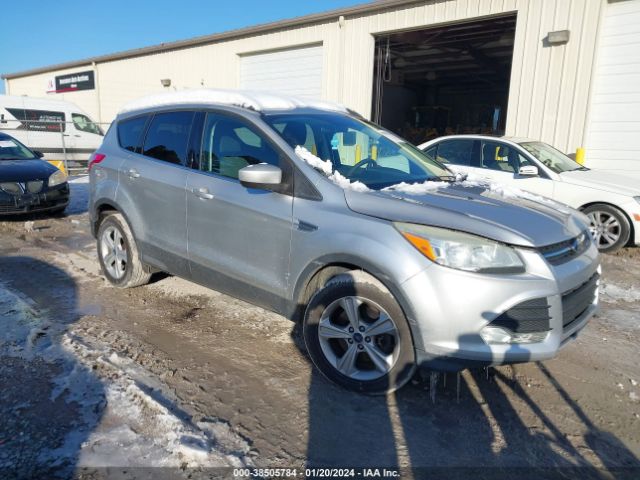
613	135
549	88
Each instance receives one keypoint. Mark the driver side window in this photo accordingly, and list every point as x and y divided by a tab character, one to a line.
229	145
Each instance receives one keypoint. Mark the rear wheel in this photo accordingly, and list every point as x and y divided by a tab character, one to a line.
118	254
358	336
609	227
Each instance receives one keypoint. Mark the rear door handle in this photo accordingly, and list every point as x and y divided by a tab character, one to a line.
203	193
133	173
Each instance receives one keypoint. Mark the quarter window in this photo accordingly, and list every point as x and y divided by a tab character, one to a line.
130	133
168	136
229	145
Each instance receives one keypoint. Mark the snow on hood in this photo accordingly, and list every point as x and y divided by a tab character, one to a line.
487	210
258	101
605	181
326	167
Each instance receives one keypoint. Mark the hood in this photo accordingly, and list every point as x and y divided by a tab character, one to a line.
25	170
606	181
526	221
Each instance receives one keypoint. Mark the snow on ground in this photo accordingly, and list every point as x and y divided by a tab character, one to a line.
125	417
79	200
615	293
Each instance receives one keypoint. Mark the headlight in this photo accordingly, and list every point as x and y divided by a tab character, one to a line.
462	251
57	178
11	188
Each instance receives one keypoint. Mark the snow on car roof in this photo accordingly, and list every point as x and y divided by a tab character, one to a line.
258	101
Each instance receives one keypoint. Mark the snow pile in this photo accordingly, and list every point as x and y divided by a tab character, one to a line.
257	101
79	199
508	192
326	167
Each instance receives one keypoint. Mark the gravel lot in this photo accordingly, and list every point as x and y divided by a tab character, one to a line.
179	376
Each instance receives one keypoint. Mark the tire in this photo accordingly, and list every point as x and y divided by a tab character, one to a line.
353	354
118	254
610	228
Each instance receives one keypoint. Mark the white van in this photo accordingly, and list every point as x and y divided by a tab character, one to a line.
50	126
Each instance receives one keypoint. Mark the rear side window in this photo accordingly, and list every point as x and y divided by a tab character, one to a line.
130	133
457	152
167	137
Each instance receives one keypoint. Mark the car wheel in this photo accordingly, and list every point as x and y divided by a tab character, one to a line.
357	335
609	227
118	254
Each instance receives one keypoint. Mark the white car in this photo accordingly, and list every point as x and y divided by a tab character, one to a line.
611	201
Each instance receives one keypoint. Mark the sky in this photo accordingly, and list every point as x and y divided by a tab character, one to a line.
39	33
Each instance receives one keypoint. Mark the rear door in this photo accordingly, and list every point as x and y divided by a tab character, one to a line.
239	238
152	191
459	154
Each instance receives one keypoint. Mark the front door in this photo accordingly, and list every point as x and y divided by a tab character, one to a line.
501	163
239	238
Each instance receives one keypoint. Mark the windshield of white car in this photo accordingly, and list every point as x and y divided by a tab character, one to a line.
11	149
360	151
552	158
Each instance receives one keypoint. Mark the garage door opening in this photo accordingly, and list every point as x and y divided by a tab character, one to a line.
444	80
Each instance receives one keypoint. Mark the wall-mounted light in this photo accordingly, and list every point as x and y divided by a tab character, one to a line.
166	82
558	38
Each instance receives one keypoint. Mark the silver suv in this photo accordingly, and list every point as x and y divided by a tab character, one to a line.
388	259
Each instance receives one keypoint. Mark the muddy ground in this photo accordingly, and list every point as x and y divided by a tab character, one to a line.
94	362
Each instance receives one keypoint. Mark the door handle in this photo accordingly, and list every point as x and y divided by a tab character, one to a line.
202	193
133	173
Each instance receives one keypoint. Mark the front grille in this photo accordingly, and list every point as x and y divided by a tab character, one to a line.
526	317
562	252
575	302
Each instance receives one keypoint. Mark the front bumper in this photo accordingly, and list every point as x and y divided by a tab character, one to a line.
451	308
53	198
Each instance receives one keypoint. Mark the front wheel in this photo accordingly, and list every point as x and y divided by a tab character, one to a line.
609	227
358	336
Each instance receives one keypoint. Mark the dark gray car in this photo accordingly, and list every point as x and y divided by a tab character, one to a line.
389	260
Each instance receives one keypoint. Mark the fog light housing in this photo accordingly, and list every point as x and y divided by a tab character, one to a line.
501	336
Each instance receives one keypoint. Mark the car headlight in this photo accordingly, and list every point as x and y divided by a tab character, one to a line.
462	251
11	188
57	178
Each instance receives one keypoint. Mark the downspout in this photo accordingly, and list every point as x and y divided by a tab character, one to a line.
581	152
97	79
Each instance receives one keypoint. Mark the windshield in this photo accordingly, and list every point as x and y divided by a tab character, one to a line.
552	158
360	151
11	149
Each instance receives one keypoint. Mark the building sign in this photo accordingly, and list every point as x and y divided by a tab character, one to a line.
75	81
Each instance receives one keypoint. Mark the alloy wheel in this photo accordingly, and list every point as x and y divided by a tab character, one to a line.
113	251
605	228
358	338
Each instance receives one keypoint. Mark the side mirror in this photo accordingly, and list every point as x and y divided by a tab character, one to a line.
528	171
262	175
37	153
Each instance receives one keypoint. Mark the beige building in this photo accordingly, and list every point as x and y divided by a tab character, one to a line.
563	71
